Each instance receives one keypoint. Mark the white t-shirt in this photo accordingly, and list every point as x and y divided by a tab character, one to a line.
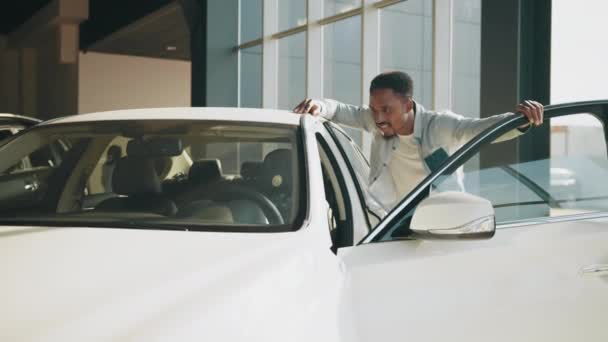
406	167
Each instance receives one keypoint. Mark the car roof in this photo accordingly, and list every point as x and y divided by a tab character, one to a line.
14	118
255	115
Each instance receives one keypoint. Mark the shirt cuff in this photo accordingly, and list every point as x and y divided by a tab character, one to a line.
525	129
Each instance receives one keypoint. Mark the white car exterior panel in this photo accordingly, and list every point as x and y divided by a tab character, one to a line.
525	284
89	284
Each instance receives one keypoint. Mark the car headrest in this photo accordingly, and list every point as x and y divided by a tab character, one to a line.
135	175
251	170
155	147
277	169
163	166
205	170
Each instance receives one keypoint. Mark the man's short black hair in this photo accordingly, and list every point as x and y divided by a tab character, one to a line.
400	82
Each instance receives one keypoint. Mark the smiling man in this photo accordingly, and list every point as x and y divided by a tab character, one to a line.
409	141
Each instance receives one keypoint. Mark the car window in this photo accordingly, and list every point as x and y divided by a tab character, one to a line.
47	156
162	172
353	152
567	179
6	132
26	178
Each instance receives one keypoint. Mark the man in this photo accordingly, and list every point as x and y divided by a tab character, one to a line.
409	142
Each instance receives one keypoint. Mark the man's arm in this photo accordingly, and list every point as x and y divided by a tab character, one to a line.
338	112
463	129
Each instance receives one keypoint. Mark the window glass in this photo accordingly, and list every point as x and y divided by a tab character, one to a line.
331	7
175	173
466	78
353	154
578	51
7	132
251	77
292	13
570	180
25	178
292	70
251	20
406	44
342	64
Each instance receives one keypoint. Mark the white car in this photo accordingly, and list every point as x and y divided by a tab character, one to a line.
219	224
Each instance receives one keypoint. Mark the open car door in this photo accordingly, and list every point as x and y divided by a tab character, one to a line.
543	275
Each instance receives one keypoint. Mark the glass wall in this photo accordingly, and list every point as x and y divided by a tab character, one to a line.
579	50
466	58
406	44
292	70
251	77
342	60
250	20
333	48
332	7
342	64
292	13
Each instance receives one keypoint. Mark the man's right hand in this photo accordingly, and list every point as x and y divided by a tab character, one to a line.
308	106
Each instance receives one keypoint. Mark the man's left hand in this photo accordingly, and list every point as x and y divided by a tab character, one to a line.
533	111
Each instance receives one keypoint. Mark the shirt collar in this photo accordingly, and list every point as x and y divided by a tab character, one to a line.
418	109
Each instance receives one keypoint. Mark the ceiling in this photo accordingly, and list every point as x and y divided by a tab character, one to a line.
161	34
18	12
149	28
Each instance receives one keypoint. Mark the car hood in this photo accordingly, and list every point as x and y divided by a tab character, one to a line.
86	284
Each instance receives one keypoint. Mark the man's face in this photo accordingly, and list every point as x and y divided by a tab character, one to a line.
389	110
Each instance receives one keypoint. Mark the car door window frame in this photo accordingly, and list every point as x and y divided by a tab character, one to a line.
399	216
331	129
352	190
345	225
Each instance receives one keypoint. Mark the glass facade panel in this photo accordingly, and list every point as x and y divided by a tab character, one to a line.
331	7
292	13
406	44
292	70
250	20
466	78
342	64
251	77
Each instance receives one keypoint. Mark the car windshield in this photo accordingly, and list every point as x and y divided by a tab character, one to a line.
176	174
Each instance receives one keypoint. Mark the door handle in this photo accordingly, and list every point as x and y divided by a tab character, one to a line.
598	270
31	186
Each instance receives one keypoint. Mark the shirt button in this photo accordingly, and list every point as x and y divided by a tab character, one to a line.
384	164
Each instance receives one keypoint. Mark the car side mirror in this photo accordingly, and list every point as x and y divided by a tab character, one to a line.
453	215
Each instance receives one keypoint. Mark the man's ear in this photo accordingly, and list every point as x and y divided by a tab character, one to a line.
407	104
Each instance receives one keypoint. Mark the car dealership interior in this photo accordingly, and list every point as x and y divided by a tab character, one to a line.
161	179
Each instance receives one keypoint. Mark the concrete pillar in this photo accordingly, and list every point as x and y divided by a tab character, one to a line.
195	13
28	85
47	50
9	93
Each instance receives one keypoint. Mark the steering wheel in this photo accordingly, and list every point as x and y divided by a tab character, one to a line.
224	192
